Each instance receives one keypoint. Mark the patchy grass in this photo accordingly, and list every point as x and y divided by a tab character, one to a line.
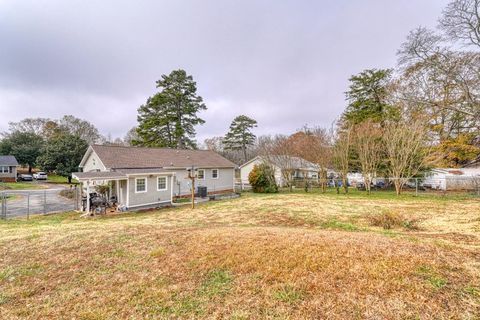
217	283
389	220
68	193
287	256
288	294
20	186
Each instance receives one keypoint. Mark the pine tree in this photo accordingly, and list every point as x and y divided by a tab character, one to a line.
168	119
240	136
367	97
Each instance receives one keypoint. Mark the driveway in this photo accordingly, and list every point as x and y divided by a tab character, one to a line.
23	202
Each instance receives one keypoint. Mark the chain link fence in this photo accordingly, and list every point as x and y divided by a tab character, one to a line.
24	203
417	186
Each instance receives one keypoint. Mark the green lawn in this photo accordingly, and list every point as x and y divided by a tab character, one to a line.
275	256
56	179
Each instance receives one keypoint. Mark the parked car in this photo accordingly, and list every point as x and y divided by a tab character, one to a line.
380	185
361	186
40	176
25	177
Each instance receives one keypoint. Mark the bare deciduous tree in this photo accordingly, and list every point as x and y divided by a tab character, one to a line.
131	136
280	152
367	140
406	149
314	145
341	154
440	83
461	21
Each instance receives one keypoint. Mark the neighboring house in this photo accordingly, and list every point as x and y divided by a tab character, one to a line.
453	179
301	169
150	177
8	169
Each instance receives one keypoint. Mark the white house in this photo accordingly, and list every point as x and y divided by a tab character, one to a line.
453	179
302	169
149	177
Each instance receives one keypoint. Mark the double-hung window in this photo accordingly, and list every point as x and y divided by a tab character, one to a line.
140	185
161	183
214	173
4	169
201	174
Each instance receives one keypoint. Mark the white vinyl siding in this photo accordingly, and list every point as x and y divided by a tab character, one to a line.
152	196
161	183
140	185
182	185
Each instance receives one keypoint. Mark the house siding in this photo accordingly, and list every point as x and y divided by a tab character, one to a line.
93	163
10	176
152	195
225	181
245	171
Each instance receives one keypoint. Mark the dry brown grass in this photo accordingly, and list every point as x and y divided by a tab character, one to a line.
277	256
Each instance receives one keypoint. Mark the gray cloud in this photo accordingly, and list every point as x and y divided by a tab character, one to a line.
285	63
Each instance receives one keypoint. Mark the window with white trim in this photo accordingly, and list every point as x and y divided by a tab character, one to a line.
214	173
201	174
140	185
4	169
162	183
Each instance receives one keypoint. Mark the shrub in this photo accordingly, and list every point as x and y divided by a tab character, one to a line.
68	193
102	189
389	220
262	179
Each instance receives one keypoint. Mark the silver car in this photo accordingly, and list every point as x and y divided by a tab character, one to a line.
40	176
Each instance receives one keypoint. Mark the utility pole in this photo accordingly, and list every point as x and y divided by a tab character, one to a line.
192	173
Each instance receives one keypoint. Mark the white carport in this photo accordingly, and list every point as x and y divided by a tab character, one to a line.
95	178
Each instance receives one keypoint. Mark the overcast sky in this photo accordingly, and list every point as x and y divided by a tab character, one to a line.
284	63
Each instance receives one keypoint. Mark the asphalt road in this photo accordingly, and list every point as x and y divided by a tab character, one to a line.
38	201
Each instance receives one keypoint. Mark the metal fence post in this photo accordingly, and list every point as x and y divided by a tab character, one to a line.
28	205
45	202
5	202
2	205
416	187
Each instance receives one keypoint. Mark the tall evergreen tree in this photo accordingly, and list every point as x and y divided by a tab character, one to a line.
240	136
168	119
367	97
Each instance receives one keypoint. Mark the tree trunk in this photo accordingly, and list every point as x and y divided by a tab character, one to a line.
69	179
244	149
290	179
398	186
368	182
345	184
325	180
29	169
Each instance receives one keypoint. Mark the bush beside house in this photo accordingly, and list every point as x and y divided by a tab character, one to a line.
262	179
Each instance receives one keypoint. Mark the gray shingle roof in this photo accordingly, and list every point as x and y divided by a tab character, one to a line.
8	161
116	157
99	175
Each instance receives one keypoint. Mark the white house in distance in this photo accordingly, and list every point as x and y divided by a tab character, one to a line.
466	178
8	169
149	177
302	169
